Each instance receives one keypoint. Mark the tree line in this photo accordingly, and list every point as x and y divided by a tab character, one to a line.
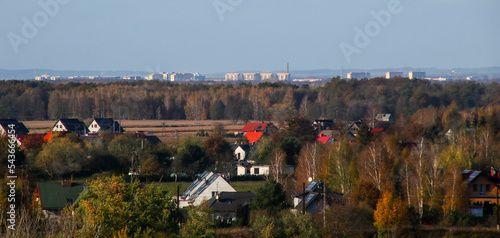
338	99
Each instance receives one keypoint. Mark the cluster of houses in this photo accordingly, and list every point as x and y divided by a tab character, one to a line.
214	189
66	126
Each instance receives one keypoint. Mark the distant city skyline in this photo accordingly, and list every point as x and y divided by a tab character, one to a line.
216	36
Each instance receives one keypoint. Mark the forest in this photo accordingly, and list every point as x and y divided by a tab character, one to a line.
406	181
339	99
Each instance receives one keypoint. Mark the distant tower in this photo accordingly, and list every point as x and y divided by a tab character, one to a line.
287	68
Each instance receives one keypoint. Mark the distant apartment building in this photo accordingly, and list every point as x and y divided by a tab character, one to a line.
416	75
198	76
155	77
185	76
283	76
267	76
133	77
42	77
251	76
358	75
233	77
389	75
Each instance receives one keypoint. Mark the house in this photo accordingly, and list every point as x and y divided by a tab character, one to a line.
312	198
53	197
253	137
482	189
71	124
231	206
204	187
18	127
385	117
320	125
325	139
249	169
258	127
260	170
354	127
99	125
241	152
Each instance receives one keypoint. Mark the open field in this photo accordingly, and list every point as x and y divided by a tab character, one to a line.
166	130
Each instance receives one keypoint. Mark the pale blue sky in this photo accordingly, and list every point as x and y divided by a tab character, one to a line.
189	35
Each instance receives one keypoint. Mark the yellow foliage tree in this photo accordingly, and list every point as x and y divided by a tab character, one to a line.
391	212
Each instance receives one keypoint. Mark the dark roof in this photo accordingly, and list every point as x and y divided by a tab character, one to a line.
55	196
73	125
314	191
18	126
230	201
106	124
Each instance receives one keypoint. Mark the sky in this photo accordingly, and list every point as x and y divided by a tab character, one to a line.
213	36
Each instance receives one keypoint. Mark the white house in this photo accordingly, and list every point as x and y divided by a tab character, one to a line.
241	152
206	186
249	169
71	124
99	125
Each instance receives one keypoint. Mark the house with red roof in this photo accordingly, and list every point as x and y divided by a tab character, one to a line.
325	139
376	131
253	137
257	127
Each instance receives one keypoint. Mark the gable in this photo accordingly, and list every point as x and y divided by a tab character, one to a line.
253	137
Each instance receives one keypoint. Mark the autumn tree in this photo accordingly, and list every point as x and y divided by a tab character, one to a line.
219	152
390	213
110	206
61	156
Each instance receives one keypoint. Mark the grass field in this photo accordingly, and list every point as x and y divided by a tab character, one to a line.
239	186
166	130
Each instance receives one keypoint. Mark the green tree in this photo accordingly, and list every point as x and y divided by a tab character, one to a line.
109	207
291	147
200	223
270	197
364	136
264	151
122	147
61	156
191	158
217	110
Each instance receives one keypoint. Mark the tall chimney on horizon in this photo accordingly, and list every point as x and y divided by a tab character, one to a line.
287	68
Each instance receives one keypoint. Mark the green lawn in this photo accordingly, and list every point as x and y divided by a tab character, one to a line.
239	186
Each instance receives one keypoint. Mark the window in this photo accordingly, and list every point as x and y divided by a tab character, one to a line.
474	187
488	188
256	171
